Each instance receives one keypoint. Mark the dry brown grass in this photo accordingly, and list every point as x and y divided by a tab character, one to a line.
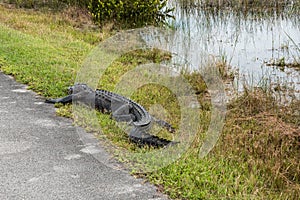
265	136
79	17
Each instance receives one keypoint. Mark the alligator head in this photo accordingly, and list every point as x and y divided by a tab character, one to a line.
79	87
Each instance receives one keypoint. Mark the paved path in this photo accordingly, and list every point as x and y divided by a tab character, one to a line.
43	157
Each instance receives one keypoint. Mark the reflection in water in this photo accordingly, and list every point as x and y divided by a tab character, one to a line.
245	41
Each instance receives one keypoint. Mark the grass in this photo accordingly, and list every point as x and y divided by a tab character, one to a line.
257	156
42	50
242	5
282	64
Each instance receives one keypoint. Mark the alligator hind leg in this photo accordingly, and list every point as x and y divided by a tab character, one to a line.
123	113
124	118
164	124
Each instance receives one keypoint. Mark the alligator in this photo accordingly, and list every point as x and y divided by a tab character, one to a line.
121	109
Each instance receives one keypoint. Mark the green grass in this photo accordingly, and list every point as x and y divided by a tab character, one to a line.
35	62
41	50
209	178
257	156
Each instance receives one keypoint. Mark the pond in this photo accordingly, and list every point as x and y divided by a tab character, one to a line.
248	41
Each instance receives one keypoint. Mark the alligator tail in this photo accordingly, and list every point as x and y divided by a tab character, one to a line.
142	138
152	140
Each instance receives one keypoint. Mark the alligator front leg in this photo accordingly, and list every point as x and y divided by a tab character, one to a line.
83	97
64	100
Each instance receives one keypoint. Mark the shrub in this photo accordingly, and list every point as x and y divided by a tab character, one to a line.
127	13
134	12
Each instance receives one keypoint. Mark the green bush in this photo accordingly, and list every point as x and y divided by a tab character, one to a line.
124	13
129	12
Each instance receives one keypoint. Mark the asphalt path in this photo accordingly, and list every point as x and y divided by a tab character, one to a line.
43	156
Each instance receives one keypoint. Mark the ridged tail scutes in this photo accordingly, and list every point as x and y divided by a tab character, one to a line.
142	138
153	141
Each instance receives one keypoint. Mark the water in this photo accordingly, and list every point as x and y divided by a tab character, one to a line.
245	41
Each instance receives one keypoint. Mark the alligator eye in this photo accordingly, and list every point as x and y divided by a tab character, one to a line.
70	90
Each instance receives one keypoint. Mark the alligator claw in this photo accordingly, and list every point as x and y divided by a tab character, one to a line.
49	101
